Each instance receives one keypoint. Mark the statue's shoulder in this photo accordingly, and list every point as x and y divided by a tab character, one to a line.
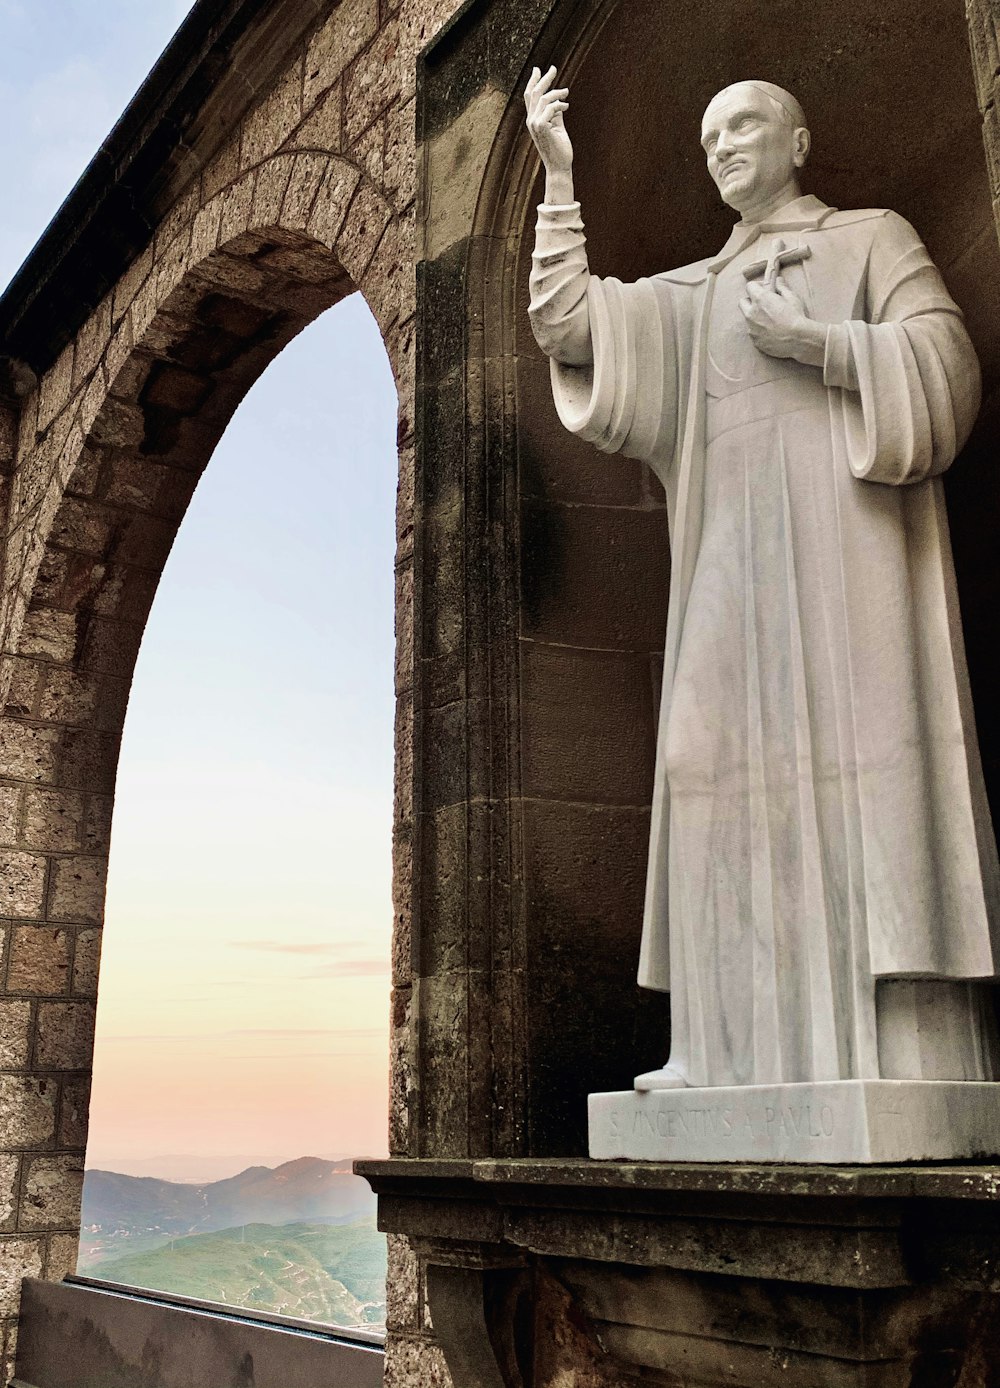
880	223
692	275
837	218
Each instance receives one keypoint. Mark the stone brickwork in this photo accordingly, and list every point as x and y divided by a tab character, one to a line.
310	196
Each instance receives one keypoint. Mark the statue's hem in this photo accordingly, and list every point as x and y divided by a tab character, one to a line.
834	1121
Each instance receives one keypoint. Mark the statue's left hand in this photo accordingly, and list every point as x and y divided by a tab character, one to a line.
779	325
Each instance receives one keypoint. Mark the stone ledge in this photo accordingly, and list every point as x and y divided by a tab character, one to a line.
807	1276
938	1181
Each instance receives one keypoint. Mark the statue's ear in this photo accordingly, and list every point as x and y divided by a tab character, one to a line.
802	141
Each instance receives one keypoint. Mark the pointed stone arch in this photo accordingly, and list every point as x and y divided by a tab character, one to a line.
124	425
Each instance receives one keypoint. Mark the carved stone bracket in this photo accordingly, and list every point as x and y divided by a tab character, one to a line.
475	1312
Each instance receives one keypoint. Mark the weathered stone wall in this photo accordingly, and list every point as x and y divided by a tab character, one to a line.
310	196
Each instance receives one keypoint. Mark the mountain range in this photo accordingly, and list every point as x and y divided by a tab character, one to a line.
298	1239
197	1168
124	1213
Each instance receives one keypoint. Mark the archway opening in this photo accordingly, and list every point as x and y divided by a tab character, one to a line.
242	1045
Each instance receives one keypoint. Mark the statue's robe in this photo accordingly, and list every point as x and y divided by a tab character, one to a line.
819	819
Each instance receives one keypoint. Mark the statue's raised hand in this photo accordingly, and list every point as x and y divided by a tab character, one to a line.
546	126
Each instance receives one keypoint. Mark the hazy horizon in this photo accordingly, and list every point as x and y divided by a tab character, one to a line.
169	1166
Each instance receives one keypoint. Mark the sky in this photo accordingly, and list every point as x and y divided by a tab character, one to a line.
243	1012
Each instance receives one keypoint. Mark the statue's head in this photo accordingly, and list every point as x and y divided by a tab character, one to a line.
755	140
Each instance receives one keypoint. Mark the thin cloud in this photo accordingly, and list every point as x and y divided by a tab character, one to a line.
285	947
340	965
297	1031
351	968
309	1055
346	1034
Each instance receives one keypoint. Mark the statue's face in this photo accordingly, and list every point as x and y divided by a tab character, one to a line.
753	151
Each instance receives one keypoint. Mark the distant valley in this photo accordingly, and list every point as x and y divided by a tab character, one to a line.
296	1240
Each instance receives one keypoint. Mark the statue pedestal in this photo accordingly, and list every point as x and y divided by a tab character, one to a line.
850	1121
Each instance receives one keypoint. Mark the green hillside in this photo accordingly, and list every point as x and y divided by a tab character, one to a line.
315	1272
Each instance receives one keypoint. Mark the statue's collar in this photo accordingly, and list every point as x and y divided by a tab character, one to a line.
801	214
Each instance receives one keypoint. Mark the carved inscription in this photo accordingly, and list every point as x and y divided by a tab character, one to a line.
683	1124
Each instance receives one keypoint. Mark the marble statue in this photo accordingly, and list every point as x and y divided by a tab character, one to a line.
823	891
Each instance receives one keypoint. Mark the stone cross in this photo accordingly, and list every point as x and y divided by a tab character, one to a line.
779	257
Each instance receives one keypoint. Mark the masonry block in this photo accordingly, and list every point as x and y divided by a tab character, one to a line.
51	1194
130	283
77	891
39	960
49	634
269	192
10	814
92	341
65	1038
66	698
9	1165
19	1258
322	128
73	1113
587	725
205	231
61	1257
53	820
372	82
86	963
223	170
332	201
22	684
97	823
402	1285
308	173
400	175
386	284
15	1033
340	39
55	387
368	151
22	884
270	124
237	201
28	1110
415	1362
88	760
119	424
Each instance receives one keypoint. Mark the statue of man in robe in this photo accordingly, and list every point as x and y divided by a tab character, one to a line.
823	893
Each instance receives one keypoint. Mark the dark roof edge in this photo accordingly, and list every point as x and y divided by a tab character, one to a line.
109	217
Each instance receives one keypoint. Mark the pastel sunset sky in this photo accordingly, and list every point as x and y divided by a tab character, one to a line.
244	990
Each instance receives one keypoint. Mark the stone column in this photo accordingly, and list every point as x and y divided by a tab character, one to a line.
984	39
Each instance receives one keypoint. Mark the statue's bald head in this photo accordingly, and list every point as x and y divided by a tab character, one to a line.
786	106
755	140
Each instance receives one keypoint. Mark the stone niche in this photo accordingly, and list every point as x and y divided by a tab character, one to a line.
542	567
541	575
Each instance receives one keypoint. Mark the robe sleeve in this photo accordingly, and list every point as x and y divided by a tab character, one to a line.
908	377
614	349
559	278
